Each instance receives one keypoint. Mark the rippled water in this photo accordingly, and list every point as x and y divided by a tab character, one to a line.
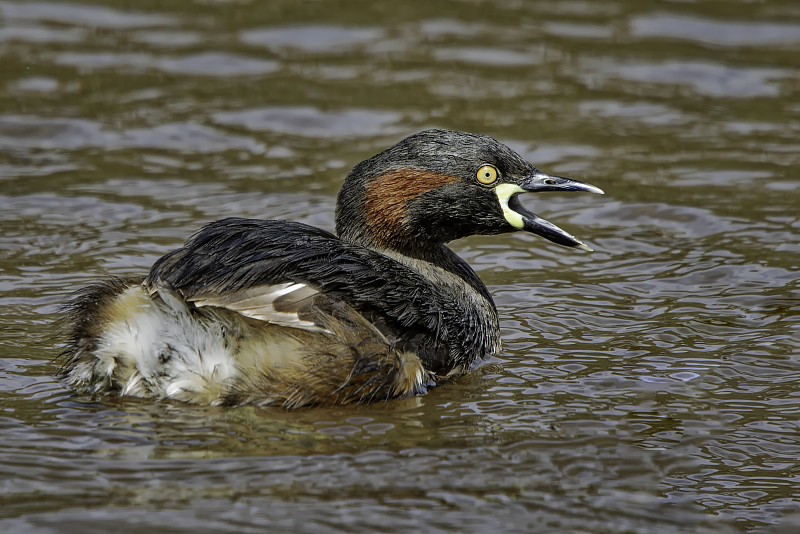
649	387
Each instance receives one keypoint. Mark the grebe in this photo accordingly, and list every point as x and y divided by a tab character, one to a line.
281	313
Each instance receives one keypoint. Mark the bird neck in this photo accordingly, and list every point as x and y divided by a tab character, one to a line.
423	258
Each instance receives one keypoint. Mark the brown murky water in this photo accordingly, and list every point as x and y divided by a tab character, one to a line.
652	386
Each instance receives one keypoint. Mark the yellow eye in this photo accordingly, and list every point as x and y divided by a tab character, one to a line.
487	174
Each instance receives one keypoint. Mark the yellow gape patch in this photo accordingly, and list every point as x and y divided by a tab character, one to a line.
504	192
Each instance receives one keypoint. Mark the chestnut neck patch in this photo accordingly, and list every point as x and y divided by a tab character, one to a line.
386	199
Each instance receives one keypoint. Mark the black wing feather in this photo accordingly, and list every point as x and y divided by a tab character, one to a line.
235	253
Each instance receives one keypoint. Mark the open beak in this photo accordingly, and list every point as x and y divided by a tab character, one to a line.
519	217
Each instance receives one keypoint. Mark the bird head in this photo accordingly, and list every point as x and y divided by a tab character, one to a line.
439	185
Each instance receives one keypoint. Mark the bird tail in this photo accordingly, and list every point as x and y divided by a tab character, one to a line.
83	323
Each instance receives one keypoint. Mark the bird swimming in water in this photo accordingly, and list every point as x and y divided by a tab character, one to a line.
281	313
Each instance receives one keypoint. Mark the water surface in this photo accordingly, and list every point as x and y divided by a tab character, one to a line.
649	387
